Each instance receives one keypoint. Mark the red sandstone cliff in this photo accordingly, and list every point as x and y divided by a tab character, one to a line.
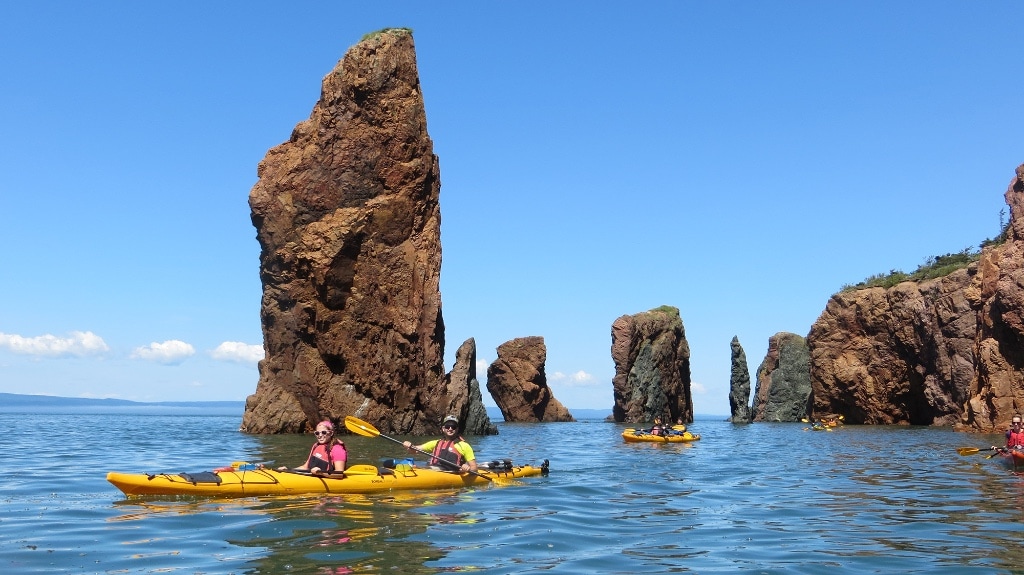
938	352
998	390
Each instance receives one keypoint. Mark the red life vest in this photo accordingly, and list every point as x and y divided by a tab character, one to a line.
321	456
1014	438
444	450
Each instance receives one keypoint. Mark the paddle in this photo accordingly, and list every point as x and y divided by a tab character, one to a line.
360	427
998	451
974	450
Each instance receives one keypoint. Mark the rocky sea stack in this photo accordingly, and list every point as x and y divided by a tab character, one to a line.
652	367
347	217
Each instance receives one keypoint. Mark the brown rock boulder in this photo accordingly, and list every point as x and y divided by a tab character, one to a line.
652	367
347	217
518	385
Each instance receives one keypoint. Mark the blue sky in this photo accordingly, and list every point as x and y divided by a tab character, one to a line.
741	161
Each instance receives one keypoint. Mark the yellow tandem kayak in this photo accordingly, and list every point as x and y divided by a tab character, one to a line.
245	482
639	435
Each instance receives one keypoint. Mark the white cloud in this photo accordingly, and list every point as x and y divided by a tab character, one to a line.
78	343
170	352
238	352
481	368
698	388
578	379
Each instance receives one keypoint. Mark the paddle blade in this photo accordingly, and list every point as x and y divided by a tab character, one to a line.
360	427
967	450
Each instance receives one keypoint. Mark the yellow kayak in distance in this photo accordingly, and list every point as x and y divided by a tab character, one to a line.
246	481
640	435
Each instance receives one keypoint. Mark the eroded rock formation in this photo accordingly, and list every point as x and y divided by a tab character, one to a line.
998	288
347	217
517	382
739	384
652	367
783	390
463	389
938	352
903	355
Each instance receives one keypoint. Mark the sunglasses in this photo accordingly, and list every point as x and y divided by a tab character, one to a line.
1015	422
449	426
319	433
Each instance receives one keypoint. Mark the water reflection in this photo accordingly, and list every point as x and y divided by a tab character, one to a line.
345	534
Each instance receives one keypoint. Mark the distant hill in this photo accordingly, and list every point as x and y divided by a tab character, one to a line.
34	403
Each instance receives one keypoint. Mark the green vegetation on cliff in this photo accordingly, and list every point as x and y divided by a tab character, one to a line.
372	35
934	266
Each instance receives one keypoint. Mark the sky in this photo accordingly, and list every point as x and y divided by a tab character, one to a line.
739	160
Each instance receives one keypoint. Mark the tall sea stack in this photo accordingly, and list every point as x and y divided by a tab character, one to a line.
347	217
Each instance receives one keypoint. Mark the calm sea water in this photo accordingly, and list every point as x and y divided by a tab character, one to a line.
764	498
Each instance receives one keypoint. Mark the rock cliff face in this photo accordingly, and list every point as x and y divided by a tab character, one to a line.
739	384
652	367
998	390
783	389
903	355
939	352
347	217
517	382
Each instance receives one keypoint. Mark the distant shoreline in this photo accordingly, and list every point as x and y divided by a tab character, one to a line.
27	403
